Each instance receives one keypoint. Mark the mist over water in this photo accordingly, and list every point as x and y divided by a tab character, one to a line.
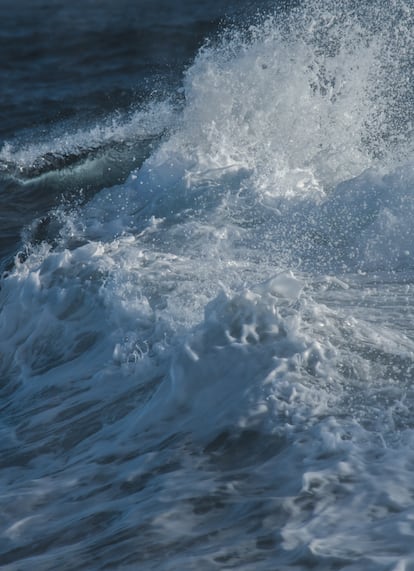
206	355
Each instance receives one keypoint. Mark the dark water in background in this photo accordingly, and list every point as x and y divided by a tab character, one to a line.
206	300
80	59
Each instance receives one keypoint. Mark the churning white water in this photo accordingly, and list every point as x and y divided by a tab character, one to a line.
210	366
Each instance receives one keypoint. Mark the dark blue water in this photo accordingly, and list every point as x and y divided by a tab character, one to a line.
80	59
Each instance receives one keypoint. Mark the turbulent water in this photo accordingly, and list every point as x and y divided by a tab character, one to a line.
206	327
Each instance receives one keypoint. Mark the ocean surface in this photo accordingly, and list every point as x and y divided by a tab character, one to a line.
207	285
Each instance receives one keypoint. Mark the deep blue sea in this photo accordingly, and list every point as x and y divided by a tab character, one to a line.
207	285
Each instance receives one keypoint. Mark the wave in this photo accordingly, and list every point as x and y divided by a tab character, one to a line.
223	341
291	127
117	135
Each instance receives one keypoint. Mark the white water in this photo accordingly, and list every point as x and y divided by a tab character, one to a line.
212	368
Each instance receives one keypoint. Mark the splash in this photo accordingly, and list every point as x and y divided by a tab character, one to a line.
300	101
